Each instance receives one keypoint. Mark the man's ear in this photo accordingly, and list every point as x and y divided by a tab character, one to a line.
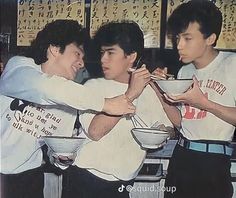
53	50
132	57
211	39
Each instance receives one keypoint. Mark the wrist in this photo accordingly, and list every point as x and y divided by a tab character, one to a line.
129	97
208	105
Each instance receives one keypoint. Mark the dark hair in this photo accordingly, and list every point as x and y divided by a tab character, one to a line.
204	12
126	34
59	33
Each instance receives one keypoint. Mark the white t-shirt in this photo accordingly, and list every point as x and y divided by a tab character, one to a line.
117	155
218	82
22	124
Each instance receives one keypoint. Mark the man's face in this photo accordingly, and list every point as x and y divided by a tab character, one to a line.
191	44
68	63
115	63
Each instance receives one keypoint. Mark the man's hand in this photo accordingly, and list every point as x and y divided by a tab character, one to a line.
139	79
160	73
119	105
193	97
61	161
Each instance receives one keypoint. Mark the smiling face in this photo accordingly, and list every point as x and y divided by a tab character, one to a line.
192	46
65	64
115	63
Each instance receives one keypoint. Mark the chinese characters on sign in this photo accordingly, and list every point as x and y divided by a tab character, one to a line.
147	13
227	39
33	15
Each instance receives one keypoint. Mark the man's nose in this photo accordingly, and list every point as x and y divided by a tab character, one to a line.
180	43
104	57
81	63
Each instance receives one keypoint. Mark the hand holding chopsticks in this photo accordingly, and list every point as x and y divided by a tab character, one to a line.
161	74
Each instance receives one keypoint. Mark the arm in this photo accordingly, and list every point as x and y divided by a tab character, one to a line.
102	124
24	81
171	110
196	98
228	114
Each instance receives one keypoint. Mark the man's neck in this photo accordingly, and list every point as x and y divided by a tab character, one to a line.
123	79
206	59
47	68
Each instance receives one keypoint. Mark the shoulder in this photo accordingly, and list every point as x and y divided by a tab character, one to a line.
228	54
186	71
228	61
19	61
188	67
229	57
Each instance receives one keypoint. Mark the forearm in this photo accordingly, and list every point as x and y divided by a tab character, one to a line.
228	114
69	93
173	113
31	85
101	125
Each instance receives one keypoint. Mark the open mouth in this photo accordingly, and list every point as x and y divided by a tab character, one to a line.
104	69
74	69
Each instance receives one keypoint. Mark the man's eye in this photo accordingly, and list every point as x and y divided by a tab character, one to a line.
107	52
188	38
77	53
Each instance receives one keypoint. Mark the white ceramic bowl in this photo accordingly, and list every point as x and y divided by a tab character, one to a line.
149	137
174	87
64	145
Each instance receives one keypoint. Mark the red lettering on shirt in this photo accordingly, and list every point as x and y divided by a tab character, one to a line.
194	113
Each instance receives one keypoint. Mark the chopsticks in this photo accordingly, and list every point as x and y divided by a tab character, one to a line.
137	121
137	66
167	76
153	77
